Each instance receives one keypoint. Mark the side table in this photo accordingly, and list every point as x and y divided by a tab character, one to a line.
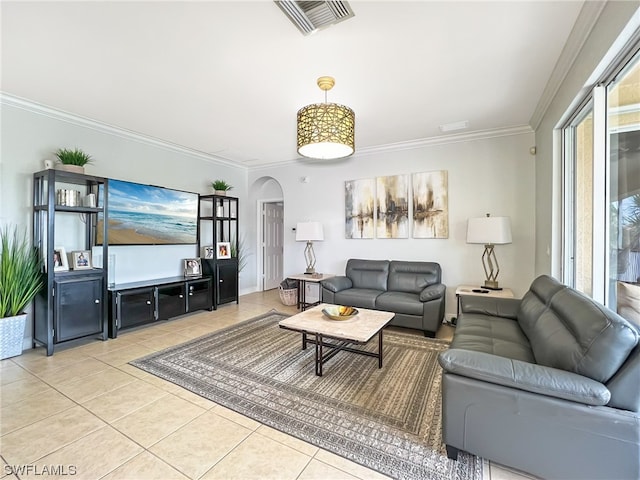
302	279
480	292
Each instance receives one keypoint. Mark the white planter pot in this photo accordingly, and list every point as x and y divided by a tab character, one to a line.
12	335
220	192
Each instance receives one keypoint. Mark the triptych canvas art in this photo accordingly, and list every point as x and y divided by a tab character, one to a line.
383	208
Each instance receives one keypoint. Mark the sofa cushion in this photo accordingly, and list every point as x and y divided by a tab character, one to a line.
495	335
576	334
335	284
432	292
524	376
400	302
412	277
358	297
624	384
536	301
369	274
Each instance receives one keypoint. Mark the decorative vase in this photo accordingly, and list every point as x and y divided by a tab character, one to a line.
12	335
70	168
220	192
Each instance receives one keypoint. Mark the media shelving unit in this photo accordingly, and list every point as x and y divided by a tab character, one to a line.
218	222
148	301
71	304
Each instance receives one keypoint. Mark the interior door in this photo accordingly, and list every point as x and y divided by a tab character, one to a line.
273	244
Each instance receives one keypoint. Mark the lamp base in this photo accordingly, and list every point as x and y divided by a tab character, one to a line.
491	285
310	257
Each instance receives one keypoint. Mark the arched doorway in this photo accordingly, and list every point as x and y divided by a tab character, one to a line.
269	200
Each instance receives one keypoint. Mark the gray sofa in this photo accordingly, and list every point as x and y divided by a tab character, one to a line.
412	290
549	384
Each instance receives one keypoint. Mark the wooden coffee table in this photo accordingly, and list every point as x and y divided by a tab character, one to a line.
357	330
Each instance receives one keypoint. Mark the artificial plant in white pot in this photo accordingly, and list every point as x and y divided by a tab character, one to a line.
220	187
72	160
20	281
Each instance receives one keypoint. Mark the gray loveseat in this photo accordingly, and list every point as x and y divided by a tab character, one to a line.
412	290
549	384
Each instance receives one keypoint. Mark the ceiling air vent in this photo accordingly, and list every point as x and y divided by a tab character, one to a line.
311	16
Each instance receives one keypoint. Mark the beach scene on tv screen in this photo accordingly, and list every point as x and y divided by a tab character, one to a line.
149	215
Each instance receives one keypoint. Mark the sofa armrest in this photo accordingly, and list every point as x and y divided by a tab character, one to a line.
336	284
495	307
432	292
524	376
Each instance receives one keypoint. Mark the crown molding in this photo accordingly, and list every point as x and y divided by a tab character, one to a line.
446	139
585	22
413	144
51	112
24	104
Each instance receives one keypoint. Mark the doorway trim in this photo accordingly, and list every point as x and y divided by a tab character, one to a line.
260	240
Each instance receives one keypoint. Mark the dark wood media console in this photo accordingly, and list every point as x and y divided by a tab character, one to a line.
139	303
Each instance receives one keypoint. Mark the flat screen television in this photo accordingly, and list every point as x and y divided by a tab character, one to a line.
149	215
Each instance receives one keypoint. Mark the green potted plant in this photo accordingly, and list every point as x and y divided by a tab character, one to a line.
221	187
20	281
237	251
72	160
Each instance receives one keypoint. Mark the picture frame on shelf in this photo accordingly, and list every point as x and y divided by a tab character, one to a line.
192	267
208	252
81	260
60	260
223	250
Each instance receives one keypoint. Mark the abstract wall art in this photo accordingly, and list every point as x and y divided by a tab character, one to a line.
392	206
359	197
430	205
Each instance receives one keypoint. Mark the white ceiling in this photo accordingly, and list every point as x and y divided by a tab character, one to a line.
227	78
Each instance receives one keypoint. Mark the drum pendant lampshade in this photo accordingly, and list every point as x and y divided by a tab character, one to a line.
326	130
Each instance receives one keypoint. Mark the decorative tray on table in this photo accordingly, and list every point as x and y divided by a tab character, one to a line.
338	312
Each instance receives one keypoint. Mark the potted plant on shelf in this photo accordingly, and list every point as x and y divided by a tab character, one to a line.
20	281
221	187
72	160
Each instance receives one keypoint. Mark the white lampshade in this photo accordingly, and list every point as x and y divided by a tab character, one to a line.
489	230
309	232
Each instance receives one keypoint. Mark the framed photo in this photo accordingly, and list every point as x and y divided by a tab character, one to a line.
223	250
208	252
60	261
81	259
192	267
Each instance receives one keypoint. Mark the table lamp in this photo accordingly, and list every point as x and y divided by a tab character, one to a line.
489	231
309	232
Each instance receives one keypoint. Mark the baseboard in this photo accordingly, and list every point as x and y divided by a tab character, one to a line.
247	291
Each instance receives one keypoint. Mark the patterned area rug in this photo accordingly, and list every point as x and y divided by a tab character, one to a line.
385	419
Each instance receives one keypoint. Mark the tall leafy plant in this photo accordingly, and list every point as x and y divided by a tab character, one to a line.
239	252
20	272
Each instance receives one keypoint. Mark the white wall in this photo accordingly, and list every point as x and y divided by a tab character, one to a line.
548	249
491	175
31	133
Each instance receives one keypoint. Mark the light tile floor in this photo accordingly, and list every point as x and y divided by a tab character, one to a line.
84	413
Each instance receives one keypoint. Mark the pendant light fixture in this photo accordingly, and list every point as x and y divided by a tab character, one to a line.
326	130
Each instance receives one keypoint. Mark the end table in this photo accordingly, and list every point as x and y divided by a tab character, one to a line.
302	279
480	292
